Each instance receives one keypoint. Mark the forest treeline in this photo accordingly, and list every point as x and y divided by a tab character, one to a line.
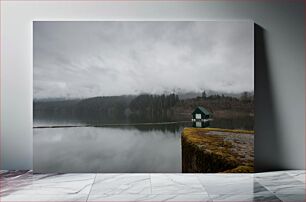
143	108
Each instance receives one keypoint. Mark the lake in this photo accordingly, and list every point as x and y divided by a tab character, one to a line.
154	148
126	149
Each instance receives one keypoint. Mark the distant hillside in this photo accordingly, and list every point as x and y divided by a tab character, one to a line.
227	111
189	95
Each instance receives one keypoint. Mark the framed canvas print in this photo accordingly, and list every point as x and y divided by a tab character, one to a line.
143	96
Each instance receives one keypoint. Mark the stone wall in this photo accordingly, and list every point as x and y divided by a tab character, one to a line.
211	150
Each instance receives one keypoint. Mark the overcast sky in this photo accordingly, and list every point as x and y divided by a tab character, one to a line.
86	59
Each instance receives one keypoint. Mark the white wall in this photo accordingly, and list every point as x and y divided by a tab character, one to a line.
280	73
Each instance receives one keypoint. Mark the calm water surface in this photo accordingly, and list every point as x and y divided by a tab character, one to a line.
150	148
147	148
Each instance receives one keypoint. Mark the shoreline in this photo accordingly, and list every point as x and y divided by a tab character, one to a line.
111	124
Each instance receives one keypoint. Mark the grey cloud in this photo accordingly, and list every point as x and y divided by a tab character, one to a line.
85	59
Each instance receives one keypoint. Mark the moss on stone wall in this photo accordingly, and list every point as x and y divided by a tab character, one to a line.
217	150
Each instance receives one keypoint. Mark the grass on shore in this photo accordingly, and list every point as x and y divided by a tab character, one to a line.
220	130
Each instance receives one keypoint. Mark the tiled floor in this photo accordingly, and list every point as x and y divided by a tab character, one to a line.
273	186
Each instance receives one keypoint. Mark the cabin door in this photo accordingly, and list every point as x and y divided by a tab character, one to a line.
199	124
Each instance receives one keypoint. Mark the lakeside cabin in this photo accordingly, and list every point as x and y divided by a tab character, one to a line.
201	117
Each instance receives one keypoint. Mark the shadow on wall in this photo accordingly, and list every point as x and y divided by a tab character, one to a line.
267	143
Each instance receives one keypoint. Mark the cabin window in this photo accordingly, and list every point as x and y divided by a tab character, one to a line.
198	116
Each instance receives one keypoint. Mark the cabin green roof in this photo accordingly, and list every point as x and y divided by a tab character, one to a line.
202	109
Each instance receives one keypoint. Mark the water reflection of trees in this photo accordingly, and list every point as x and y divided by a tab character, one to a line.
172	128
